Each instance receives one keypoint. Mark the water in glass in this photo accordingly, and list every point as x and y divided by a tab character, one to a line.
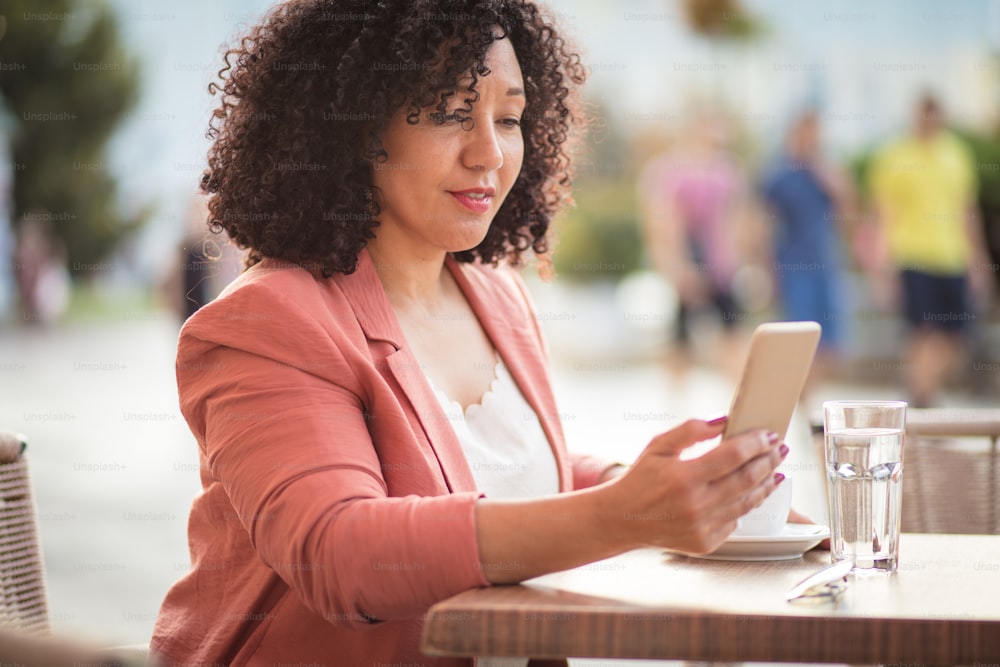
865	471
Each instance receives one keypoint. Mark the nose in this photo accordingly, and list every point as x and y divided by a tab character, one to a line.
482	150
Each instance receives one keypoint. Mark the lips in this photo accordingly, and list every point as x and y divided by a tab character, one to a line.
478	200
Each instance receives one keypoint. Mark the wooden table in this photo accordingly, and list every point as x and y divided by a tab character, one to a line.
941	608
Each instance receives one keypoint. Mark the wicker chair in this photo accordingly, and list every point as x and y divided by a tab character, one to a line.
951	478
24	608
23	600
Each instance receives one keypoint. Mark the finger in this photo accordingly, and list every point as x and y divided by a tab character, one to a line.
734	452
733	507
746	478
692	431
709	539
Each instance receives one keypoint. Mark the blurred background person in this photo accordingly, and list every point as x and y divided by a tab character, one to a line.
40	271
7	290
808	198
692	198
6	271
924	188
204	264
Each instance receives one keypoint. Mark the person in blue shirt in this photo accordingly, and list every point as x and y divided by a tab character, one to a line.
807	199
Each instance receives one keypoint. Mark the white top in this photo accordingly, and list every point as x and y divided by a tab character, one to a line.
507	452
503	441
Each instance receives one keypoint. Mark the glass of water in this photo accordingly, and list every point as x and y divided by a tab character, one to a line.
863	442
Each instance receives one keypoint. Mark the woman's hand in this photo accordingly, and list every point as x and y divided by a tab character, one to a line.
692	505
688	506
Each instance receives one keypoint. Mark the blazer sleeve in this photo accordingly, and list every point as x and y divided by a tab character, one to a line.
291	449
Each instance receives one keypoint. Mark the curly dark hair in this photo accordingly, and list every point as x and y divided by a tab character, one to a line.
306	95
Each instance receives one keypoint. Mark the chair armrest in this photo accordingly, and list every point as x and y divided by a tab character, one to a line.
957	422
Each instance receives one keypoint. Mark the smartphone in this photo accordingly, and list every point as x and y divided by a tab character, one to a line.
777	365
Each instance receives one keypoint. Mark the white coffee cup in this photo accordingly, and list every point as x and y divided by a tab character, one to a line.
772	515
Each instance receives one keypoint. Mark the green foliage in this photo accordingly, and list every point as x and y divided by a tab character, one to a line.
986	152
859	167
599	238
725	19
66	82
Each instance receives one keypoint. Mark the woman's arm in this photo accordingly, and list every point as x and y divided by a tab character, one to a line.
591	470
689	506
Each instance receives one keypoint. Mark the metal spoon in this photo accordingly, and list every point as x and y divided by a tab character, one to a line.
825	585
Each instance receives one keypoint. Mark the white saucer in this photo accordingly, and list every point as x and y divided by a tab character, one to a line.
792	542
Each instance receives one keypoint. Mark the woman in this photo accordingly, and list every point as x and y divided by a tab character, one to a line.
384	164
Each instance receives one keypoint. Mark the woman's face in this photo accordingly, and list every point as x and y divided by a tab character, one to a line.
442	185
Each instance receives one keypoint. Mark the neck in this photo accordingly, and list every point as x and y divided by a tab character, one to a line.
408	279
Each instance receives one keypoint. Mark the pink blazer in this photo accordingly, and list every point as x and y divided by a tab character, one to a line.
337	504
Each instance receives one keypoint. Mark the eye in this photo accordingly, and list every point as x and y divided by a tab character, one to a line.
510	122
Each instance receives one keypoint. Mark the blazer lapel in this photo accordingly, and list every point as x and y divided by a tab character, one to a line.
512	329
378	321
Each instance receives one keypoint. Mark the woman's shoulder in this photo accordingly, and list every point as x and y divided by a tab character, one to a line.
271	275
269	287
275	303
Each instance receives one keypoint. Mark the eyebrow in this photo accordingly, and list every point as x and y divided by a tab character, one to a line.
515	91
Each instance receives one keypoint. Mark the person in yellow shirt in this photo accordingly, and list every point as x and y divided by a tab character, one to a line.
924	188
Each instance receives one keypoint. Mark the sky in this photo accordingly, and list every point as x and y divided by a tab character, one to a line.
862	61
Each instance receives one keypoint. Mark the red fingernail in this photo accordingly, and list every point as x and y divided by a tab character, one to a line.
783	450
718	420
772	437
779	478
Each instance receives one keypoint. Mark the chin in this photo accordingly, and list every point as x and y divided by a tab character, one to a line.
463	248
469	237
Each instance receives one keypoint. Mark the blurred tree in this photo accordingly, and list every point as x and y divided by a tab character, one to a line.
599	238
721	18
66	81
986	151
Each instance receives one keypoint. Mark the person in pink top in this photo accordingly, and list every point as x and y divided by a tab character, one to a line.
693	201
386	165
